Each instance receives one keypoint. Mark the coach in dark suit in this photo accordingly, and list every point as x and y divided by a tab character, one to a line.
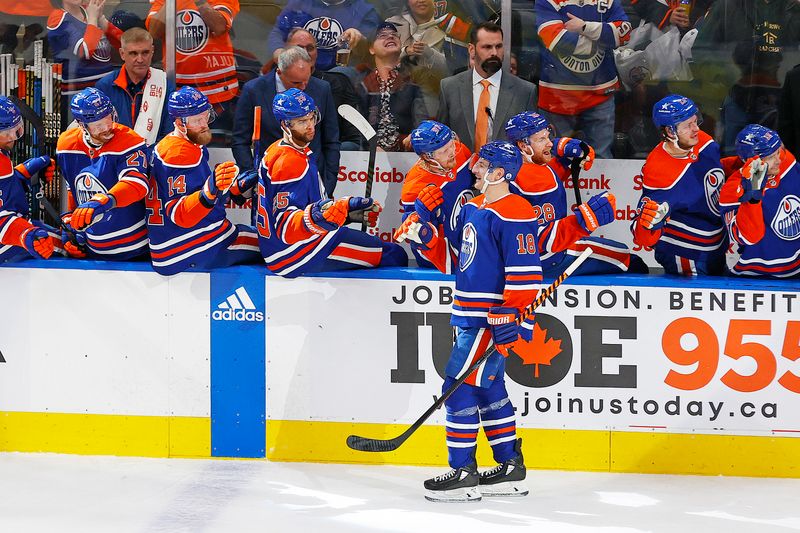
477	102
294	70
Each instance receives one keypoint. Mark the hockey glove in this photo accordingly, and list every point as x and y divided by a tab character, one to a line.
653	215
364	211
38	243
505	330
754	172
244	183
326	215
598	211
428	205
574	148
74	244
91	211
222	179
34	165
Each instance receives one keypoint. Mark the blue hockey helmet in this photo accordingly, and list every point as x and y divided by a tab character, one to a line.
429	136
288	20
91	105
291	104
672	110
521	126
502	154
10	116
188	102
756	140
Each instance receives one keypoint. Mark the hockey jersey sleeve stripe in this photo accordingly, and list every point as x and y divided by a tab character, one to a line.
12	229
530	268
297	255
190	235
674	232
117	233
197	250
187	211
520	277
357	255
551	32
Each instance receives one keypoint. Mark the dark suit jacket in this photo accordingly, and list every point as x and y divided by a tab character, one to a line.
455	104
789	115
260	92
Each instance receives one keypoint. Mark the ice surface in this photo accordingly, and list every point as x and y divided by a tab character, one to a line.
65	493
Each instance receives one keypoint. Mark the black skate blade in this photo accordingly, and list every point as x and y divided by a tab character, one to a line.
363	444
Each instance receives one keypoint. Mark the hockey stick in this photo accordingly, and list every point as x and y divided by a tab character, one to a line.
575	170
363	444
351	115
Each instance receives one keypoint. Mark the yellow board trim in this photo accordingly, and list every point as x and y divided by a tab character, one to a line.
604	451
87	434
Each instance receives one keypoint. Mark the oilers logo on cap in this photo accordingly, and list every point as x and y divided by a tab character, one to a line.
86	186
103	51
712	184
786	223
469	247
191	32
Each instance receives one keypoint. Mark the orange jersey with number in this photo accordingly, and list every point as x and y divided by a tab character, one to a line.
203	61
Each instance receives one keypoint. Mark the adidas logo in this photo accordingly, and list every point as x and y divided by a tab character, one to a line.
239	307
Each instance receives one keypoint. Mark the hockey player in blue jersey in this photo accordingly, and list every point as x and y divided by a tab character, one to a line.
105	166
678	212
761	207
299	229
20	237
186	205
498	275
546	163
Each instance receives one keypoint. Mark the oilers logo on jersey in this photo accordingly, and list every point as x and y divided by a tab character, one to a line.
712	184
469	246
584	64
191	33
461	200
326	31
86	186
786	223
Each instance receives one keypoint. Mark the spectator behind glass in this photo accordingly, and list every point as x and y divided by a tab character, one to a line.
790	111
578	76
477	103
80	38
662	14
293	71
329	21
135	83
341	87
430	52
203	51
756	33
394	104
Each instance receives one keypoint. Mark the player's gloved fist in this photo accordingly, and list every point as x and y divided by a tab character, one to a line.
754	172
91	211
653	215
224	175
588	156
505	330
34	165
598	211
326	215
408	229
428	204
38	243
74	244
244	182
363	210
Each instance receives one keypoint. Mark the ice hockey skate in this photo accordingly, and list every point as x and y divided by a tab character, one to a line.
458	485
506	479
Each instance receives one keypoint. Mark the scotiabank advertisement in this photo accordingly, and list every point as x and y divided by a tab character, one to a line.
669	359
621	177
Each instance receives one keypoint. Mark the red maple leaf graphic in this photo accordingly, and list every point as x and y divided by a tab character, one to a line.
539	351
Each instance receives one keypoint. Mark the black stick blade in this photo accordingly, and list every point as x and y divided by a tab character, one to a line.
363	444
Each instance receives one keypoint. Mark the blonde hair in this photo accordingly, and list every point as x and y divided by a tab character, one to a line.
136	35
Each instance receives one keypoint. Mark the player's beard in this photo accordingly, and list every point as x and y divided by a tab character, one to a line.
199	137
492	65
7	145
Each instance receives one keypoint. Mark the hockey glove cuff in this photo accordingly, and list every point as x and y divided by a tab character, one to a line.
505	330
91	211
598	211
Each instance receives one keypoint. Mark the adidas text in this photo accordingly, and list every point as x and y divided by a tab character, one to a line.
240	315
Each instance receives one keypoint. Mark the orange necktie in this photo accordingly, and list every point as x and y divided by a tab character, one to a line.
482	118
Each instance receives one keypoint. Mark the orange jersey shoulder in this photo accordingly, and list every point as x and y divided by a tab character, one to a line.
662	171
124	140
285	162
6	166
416	179
56	18
177	152
536	179
71	139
